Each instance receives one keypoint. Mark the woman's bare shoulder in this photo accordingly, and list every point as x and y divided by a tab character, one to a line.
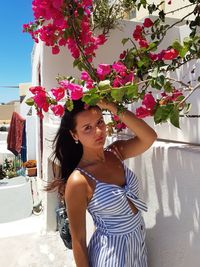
76	187
76	178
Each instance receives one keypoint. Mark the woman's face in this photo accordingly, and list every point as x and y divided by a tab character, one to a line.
90	128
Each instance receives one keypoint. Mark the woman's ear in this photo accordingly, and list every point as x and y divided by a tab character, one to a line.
74	136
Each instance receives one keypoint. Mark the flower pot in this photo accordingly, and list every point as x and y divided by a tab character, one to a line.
32	171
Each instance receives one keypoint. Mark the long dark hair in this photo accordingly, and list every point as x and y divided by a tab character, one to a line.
66	153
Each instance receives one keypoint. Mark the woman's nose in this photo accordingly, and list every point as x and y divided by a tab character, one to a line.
98	130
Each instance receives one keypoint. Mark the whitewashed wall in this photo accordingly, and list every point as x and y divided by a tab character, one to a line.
169	174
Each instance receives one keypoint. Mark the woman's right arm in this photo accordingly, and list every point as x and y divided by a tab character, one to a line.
76	201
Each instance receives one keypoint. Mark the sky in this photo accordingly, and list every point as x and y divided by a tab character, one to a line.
15	47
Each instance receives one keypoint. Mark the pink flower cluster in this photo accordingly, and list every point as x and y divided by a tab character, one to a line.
43	102
118	124
118	71
147	108
62	29
170	97
139	36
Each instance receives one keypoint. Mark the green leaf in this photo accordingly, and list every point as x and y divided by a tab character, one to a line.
174	117
91	99
76	62
30	101
162	113
118	93
125	40
69	105
176	45
183	51
132	91
168	87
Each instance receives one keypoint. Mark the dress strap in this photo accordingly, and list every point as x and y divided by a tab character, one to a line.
87	173
114	152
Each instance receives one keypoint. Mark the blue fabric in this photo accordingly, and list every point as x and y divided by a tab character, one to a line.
23	147
119	239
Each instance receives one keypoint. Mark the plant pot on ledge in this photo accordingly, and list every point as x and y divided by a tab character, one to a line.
31	167
32	171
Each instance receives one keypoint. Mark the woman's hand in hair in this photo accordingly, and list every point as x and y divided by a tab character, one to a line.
104	104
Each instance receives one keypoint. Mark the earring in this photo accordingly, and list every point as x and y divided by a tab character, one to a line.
76	141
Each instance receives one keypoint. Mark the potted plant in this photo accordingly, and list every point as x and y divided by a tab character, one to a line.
31	167
2	172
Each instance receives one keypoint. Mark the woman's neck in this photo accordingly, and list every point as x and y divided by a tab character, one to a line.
92	156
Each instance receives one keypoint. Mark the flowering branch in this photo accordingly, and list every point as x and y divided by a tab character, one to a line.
139	70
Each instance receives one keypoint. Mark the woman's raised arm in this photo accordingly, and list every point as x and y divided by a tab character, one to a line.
144	134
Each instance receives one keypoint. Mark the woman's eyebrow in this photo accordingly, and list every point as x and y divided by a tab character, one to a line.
87	124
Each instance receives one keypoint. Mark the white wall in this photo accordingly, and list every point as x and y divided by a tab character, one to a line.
169	176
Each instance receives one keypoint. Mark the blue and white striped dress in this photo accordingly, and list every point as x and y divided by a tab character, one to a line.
119	239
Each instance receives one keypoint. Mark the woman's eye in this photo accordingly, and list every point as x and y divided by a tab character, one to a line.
88	128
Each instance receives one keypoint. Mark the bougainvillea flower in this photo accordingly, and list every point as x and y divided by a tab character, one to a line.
148	23
117	82
64	83
149	101
175	94
122	55
59	93
76	91
36	89
143	43
58	110
40	99
103	69
137	34
119	67
142	112
170	54
55	50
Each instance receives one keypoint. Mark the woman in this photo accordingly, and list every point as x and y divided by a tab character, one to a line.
95	179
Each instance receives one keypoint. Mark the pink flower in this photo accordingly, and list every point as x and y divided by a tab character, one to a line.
59	93
143	43
116	118
101	39
120	126
117	82
153	56
149	101
119	67
64	83
76	91
40	99
175	94
137	34
89	84
170	54
103	69
122	55
85	76
58	110
148	23
36	89
142	112
128	78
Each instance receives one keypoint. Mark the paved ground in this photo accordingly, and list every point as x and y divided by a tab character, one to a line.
34	250
22	244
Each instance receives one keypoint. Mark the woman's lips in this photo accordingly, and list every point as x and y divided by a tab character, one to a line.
99	139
